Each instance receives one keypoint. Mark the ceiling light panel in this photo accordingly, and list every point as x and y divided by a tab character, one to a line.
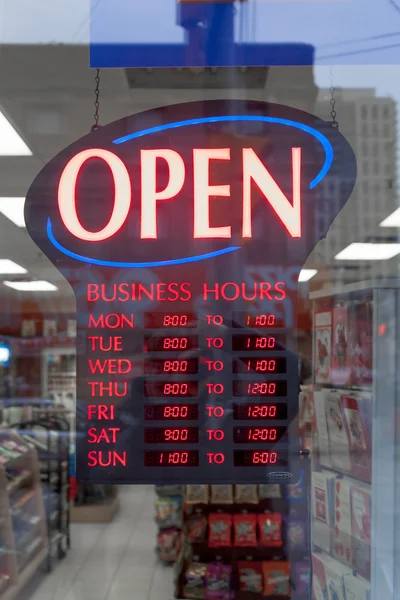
13	209
364	251
393	220
31	286
9	267
306	275
11	143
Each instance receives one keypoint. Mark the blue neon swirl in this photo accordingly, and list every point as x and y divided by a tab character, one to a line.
134	265
229	118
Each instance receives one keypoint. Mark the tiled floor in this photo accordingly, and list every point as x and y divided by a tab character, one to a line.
113	561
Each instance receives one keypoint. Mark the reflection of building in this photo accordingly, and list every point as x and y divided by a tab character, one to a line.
369	124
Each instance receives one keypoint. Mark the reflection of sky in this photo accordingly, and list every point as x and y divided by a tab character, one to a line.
320	23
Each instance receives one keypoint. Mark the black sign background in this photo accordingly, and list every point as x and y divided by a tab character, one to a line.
270	250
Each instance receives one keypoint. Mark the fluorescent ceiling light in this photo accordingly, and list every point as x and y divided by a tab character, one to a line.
13	209
306	275
392	220
9	267
360	251
11	143
31	286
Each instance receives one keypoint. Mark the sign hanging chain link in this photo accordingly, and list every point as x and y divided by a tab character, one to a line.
332	90
96	101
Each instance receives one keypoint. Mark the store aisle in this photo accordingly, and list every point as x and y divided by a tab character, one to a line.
114	561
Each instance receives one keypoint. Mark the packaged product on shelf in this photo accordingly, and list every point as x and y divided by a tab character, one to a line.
341	362
197	494
295	491
169	512
169	490
196	528
338	439
296	533
361	529
218	581
341	546
246	494
222	494
245	530
276	576
356	588
220	530
359	449
321	429
323	346
195	581
270	529
301	578
269	490
250	576
322	508
169	544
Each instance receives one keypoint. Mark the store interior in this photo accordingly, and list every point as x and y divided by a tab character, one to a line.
61	539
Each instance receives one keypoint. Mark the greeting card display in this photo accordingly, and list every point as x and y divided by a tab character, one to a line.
341	364
361	529
359	450
323	346
342	542
338	439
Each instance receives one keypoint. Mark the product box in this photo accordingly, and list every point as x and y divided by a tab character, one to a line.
342	540
323	346
338	439
321	429
361	529
341	361
356	588
356	432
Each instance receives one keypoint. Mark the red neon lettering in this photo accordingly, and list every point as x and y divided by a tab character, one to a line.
98	388
215	411
215	434
106	458
101	411
111	365
98	343
215	458
67	198
103	436
112	321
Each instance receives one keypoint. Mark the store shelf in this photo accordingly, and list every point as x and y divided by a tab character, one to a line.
237	552
14	591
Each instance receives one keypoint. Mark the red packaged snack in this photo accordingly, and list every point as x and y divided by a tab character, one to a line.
196	528
220	525
245	527
276	578
270	529
250	576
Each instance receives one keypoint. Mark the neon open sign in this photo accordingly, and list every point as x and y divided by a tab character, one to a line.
182	231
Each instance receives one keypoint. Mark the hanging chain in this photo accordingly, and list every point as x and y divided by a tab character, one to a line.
333	100
96	102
